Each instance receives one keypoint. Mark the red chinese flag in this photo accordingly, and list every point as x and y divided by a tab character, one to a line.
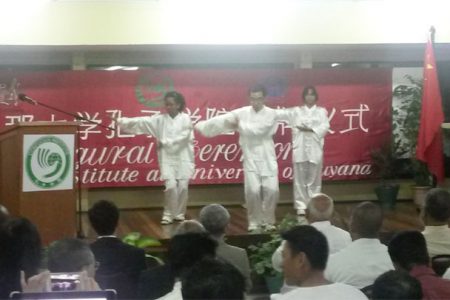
429	141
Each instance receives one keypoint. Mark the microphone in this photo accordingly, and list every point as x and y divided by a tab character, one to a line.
27	99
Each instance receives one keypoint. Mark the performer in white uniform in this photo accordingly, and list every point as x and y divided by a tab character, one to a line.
309	124
174	134
256	125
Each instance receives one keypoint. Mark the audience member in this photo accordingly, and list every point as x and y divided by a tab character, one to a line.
73	255
436	215
360	263
408	251
319	213
20	251
305	254
120	263
184	251
189	226
396	285
215	218
213	279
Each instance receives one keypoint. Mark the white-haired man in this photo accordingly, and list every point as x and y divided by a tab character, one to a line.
215	218
319	213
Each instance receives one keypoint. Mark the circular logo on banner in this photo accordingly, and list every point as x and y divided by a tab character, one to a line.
152	87
47	162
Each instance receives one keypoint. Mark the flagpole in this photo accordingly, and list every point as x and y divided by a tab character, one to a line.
432	33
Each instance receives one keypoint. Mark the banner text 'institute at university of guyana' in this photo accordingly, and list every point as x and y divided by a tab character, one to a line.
358	104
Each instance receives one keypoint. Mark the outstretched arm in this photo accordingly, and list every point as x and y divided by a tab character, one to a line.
218	125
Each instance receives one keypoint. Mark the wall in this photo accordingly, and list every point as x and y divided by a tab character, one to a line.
45	22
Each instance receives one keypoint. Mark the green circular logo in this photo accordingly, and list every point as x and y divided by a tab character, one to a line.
47	162
152	87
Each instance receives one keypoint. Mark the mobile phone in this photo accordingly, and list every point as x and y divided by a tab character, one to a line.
64	281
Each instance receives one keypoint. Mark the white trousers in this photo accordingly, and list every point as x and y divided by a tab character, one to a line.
307	182
261	197
175	198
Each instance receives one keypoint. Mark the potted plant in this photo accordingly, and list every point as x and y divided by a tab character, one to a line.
385	165
261	255
136	239
407	120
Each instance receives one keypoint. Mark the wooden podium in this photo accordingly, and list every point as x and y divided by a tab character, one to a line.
44	196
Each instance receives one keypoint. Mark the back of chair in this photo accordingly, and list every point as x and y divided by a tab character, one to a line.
440	263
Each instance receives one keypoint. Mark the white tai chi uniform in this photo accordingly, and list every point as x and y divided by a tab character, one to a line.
175	155
307	151
256	130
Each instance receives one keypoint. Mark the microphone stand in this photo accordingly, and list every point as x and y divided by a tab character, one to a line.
24	98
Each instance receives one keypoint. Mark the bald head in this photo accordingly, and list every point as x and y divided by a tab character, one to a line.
366	220
320	208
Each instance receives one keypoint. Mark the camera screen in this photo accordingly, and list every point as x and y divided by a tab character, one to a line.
64	281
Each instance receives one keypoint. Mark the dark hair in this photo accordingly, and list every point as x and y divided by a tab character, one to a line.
309	240
396	285
178	98
104	216
258	88
69	255
187	249
307	88
408	248
366	220
437	204
213	279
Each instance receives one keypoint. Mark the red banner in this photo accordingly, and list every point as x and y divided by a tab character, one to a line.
358	103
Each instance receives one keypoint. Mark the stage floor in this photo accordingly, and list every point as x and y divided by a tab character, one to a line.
146	221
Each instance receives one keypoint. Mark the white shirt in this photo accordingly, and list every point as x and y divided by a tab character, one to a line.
175	294
256	130
337	239
438	239
308	146
359	264
176	136
329	291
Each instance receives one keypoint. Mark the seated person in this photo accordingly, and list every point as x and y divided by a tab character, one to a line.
305	255
396	285
212	279
215	218
408	251
120	263
366	258
435	216
183	252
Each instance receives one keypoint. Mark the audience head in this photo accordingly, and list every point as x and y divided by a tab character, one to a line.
215	219
189	226
21	246
407	249
187	249
437	207
320	208
366	221
213	279
305	251
104	217
396	285
71	255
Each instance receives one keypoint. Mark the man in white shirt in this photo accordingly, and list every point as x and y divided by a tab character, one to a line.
360	263
319	213
174	134
436	215
256	125
305	254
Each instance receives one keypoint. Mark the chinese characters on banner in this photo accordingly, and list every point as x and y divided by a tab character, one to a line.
358	104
